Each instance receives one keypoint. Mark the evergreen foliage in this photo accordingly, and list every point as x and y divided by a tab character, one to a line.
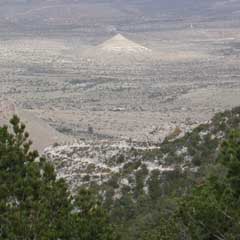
171	205
34	204
200	202
212	211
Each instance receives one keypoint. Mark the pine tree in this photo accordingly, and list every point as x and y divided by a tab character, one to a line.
34	204
212	211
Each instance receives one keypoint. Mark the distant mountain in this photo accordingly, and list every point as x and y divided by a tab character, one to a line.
101	14
117	51
120	44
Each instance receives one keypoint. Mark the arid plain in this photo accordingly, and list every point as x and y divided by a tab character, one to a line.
123	83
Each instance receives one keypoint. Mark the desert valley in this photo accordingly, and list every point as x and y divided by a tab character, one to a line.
131	100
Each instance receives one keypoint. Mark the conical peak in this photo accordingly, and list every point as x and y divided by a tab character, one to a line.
119	43
118	40
119	37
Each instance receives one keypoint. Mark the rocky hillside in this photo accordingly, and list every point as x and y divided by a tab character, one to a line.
126	166
140	183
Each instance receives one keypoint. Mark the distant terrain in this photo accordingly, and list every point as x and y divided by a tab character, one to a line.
131	99
70	17
59	63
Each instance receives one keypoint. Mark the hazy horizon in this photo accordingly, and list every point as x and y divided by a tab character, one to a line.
35	15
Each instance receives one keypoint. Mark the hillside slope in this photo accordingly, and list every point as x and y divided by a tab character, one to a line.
116	165
41	133
137	182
